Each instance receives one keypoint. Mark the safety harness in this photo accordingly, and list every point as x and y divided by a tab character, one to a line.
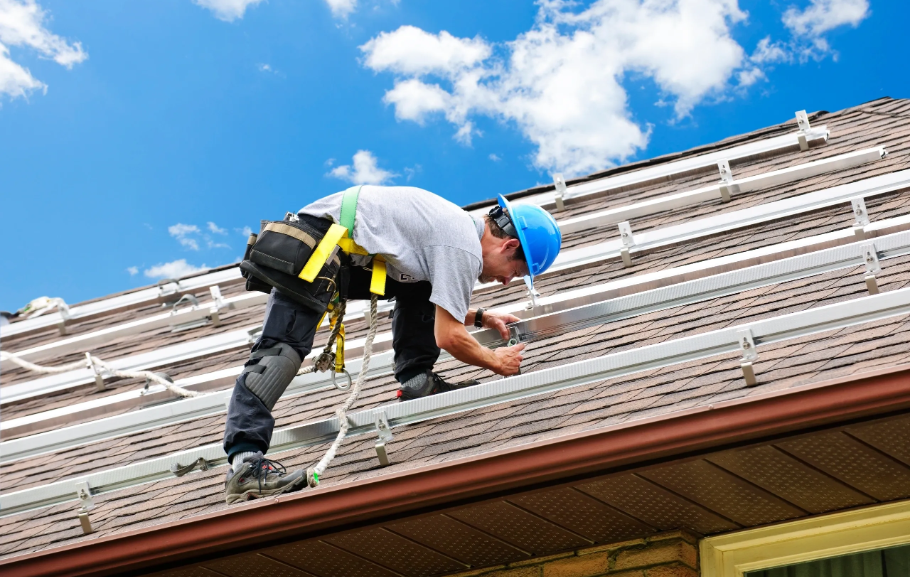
342	236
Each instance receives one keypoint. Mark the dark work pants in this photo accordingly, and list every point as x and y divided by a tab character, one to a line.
249	423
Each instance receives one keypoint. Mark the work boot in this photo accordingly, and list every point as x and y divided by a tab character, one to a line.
259	477
429	383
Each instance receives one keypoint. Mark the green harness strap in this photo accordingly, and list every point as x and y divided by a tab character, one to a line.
349	209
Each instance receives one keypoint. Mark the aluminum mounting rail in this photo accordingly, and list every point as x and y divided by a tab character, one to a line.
676	168
641	176
127	301
727	221
599	252
560	313
704	345
722	190
155	395
206	311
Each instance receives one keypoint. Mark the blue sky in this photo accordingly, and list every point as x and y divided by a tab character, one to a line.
141	138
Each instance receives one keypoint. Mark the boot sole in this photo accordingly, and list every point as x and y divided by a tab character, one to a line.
256	494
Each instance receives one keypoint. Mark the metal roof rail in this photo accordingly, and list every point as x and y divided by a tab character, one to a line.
668	170
575	309
130	300
578	257
722	190
765	331
156	395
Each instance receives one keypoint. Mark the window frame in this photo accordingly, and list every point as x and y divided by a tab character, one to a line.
869	528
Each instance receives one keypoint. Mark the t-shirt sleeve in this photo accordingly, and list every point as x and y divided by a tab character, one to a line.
453	272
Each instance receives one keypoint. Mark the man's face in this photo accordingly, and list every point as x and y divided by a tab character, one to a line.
502	266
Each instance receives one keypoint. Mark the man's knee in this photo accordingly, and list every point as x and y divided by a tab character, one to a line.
270	376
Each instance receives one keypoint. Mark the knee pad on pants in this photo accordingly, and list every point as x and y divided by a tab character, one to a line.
275	370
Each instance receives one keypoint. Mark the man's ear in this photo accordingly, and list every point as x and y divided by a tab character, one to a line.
511	244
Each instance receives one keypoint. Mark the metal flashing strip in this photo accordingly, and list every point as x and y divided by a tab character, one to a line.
130	300
676	168
560	313
570	259
721	190
704	345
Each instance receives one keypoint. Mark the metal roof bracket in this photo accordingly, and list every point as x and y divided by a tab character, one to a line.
726	177
65	316
168	287
532	294
628	241
180	470
99	379
560	194
385	435
870	259
84	492
750	355
217	305
802	119
862	217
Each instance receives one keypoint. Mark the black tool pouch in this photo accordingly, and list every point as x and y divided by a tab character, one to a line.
279	252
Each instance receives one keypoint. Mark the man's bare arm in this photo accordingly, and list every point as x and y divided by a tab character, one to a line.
453	337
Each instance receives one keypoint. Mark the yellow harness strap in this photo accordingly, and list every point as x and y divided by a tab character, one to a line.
342	235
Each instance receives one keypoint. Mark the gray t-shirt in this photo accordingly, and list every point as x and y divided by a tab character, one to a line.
423	237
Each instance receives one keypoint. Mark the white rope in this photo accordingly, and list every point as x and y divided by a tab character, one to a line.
95	363
341	413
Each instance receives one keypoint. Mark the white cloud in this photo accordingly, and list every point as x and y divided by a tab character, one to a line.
22	24
133	270
175	269
767	52
246	231
227	10
365	170
214	228
495	157
560	82
182	233
824	15
341	8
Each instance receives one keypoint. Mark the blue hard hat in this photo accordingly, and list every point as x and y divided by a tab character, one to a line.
537	232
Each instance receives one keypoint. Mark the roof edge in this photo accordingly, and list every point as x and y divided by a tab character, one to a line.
837	400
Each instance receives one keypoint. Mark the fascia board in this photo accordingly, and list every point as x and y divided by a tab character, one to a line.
765	331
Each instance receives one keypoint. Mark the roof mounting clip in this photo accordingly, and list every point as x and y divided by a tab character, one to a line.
532	293
253	334
180	470
64	311
84	492
628	241
802	120
217	305
750	355
870	259
385	435
99	379
862	217
168	287
560	193
726	178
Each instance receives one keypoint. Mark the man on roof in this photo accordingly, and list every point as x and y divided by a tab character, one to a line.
431	251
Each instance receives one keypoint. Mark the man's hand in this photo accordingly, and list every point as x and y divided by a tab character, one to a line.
498	321
509	359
